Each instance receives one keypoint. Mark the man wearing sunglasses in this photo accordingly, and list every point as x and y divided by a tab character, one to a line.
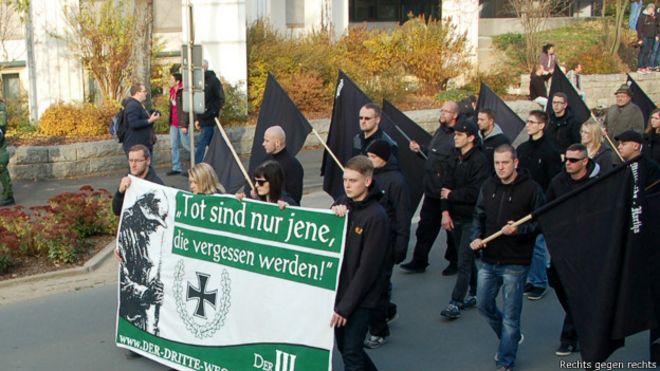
370	131
578	169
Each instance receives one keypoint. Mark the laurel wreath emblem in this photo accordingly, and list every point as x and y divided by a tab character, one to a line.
206	330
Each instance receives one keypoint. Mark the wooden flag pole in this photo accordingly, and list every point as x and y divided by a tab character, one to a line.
608	139
499	233
406	137
327	149
233	152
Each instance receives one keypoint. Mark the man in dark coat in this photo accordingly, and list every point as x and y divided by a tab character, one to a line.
562	128
543	161
214	99
275	145
139	123
371	131
139	162
438	155
396	201
468	169
362	275
578	170
507	197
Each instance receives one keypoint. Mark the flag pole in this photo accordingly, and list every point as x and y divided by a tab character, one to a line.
608	139
327	149
497	234
233	152
409	140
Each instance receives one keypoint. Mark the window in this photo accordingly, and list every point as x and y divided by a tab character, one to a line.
11	86
390	10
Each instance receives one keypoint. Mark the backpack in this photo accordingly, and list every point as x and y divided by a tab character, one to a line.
118	126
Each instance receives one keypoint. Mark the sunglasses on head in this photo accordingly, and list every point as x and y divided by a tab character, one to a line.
573	160
260	182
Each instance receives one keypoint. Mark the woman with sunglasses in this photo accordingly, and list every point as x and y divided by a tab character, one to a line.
269	185
203	180
591	136
651	146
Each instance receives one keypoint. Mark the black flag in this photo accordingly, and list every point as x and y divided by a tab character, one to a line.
595	236
575	103
640	98
412	166
278	109
344	126
220	158
510	123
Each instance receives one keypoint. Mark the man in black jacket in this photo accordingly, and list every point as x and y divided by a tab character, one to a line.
492	135
543	161
139	123
370	131
275	145
562	128
438	155
578	170
503	199
139	163
468	169
362	275
396	201
214	99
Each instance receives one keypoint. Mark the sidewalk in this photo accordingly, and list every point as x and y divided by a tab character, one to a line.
102	269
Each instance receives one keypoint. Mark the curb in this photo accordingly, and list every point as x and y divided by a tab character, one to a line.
89	266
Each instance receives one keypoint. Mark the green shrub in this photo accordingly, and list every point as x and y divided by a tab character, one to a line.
74	120
235	109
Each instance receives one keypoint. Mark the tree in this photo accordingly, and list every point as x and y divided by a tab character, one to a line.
612	42
143	41
533	15
102	36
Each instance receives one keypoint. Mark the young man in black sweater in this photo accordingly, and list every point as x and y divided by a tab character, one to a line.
362	276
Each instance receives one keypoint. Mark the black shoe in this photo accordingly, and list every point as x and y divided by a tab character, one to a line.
414	267
451	270
566	350
528	288
173	172
537	293
7	201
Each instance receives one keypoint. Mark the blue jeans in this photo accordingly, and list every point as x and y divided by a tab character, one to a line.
350	339
505	322
646	53
203	140
538	275
177	139
655	56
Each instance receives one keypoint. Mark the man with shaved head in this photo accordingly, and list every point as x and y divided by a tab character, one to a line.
275	146
438	154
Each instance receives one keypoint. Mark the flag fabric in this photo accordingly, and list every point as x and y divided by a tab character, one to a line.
344	125
412	166
510	123
278	109
560	83
220	158
595	238
640	98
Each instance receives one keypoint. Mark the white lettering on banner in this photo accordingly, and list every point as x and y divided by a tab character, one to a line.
222	252
635	208
285	361
308	230
261	364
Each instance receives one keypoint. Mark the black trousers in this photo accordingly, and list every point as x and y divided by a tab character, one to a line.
430	219
568	331
467	268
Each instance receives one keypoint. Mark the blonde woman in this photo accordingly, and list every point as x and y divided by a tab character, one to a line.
651	146
591	136
203	180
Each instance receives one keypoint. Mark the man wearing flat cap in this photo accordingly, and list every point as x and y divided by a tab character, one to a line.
624	115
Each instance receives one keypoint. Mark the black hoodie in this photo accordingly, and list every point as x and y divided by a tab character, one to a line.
563	131
541	158
562	183
439	152
396	201
500	203
362	276
214	99
466	174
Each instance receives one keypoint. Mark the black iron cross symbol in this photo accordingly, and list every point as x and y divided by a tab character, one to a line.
201	295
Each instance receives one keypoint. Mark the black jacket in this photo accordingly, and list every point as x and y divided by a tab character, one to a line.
537	86
563	131
541	159
118	198
361	145
563	183
293	174
651	147
646	26
500	203
438	152
362	276
214	99
396	201
465	176
604	158
139	130
495	139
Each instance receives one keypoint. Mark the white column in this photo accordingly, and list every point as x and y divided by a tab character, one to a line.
465	15
59	76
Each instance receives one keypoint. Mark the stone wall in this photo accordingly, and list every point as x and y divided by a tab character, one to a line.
107	156
600	89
